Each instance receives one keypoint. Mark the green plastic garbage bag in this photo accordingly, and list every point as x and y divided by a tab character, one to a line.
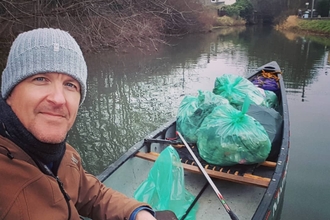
193	110
236	88
187	122
164	189
228	136
271	99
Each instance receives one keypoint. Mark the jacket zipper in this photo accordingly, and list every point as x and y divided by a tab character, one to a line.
47	171
9	154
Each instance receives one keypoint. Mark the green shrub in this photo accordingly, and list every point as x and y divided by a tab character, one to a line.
242	8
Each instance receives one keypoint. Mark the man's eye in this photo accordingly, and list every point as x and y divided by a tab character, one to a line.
71	85
39	79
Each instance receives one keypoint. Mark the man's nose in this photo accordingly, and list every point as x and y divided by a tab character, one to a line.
57	95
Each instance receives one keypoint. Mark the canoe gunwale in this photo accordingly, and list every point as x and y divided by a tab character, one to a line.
273	197
131	152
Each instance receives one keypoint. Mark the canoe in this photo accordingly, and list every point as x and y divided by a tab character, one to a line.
252	191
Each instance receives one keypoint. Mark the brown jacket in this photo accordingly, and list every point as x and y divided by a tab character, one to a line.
27	193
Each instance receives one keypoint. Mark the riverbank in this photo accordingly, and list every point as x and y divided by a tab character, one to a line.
305	26
226	21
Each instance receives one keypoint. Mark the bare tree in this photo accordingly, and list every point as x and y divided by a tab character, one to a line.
101	24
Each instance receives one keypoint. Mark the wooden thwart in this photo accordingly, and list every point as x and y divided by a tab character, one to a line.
247	178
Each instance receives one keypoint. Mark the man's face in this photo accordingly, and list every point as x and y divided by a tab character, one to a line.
47	105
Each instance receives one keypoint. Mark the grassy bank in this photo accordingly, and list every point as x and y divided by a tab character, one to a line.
297	25
317	26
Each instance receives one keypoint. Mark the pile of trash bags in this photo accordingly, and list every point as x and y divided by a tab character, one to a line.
236	123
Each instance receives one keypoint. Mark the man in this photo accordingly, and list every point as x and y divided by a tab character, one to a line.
41	176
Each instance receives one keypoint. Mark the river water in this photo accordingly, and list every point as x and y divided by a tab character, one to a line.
131	95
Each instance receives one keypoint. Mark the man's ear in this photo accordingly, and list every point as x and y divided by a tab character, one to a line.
8	100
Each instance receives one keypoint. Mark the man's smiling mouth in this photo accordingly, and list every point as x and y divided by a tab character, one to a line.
53	114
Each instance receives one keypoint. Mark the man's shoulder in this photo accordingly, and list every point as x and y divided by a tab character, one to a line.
72	157
10	150
69	148
18	175
15	163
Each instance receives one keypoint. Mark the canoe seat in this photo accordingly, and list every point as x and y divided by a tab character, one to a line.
245	174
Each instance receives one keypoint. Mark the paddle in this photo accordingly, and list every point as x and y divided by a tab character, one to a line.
215	189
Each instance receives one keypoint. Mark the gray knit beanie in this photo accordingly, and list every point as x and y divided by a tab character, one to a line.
40	51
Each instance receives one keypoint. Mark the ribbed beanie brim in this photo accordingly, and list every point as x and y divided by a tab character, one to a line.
40	51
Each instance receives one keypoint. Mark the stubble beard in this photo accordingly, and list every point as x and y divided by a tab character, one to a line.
49	135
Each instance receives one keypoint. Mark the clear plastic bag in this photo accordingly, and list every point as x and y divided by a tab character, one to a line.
164	189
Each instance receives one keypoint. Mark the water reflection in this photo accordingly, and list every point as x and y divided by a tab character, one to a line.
124	101
131	95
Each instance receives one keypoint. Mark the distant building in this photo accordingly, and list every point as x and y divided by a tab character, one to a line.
226	2
218	2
